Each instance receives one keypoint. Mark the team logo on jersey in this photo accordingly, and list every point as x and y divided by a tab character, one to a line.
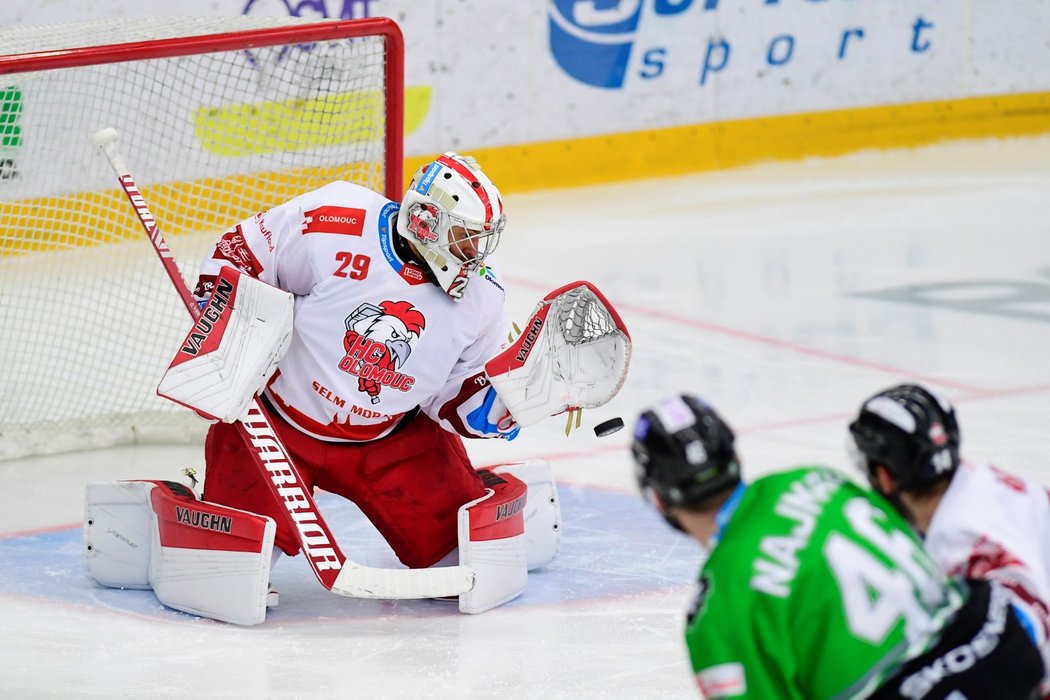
234	249
378	343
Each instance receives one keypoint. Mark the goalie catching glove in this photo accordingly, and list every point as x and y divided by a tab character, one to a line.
573	353
233	348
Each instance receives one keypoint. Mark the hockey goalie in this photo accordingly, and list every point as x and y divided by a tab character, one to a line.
371	334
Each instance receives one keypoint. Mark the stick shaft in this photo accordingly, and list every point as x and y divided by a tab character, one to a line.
264	445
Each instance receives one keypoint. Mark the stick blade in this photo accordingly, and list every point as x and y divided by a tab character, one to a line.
358	581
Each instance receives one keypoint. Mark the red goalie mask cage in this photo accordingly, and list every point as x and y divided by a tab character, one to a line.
226	117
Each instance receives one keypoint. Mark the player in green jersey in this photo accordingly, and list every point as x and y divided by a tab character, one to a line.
815	587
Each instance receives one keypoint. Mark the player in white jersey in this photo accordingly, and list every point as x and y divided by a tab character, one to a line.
398	306
977	521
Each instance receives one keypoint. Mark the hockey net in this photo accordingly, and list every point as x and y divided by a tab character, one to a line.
220	118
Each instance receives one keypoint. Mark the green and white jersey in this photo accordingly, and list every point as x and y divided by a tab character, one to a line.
816	588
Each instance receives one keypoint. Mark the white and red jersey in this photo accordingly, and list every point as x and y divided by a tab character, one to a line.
373	337
994	525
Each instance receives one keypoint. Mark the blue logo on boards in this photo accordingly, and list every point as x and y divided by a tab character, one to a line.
603	43
591	39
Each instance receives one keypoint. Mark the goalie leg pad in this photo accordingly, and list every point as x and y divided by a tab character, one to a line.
117	517
542	510
198	557
208	559
492	542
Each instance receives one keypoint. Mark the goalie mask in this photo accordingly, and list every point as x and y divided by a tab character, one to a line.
684	453
909	430
453	216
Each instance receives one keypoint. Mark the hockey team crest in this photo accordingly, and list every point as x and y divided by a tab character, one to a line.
235	250
378	343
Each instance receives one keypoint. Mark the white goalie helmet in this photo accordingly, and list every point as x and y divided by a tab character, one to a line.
453	215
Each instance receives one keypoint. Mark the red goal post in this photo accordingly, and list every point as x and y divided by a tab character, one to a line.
221	118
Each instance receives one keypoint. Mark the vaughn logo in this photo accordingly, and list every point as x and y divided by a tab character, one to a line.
506	510
205	521
211	315
378	342
529	338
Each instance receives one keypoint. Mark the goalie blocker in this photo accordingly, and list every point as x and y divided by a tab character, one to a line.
233	348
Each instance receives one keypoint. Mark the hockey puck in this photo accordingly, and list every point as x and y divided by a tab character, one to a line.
608	427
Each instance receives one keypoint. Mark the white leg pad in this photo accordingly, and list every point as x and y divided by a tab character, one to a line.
492	542
210	560
200	557
542	511
117	533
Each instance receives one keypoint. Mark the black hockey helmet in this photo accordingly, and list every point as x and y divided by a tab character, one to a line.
909	430
683	453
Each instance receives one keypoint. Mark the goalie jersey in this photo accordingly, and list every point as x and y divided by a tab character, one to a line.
373	337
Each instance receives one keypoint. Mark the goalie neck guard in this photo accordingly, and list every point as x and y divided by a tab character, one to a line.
453	216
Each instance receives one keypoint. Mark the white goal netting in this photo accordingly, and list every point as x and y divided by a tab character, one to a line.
217	122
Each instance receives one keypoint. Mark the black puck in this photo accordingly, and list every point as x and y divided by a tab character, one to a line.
608	427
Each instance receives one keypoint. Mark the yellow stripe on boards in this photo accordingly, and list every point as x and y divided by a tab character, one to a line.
30	225
91	218
297	125
721	145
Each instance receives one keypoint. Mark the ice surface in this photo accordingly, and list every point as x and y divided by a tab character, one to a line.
783	293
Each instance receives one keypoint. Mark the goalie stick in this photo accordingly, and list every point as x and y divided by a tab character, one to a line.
335	572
